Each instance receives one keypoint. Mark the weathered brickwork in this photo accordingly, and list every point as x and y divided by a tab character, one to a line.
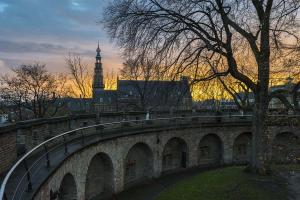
138	164
242	148
22	136
8	152
104	180
148	155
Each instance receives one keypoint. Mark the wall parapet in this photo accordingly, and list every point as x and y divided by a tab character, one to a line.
17	138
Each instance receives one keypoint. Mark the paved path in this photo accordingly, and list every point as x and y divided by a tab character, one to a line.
39	170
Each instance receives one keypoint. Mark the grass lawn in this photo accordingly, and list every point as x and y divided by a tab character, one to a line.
229	183
283	167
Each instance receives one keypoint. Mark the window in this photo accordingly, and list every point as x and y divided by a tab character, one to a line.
101	100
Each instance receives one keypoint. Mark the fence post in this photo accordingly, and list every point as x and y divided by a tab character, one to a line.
82	137
121	127
47	155
29	185
65	144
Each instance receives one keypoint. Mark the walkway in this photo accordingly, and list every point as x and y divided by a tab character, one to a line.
40	171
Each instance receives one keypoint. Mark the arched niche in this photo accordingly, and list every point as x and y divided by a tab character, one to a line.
99	178
210	151
138	164
242	148
68	189
175	155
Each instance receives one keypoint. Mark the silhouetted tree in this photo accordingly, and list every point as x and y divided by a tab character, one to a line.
139	73
110	80
80	75
215	35
34	89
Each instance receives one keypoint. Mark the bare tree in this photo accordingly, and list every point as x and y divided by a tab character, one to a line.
181	34
208	90
110	80
144	77
139	73
12	94
81	75
239	92
34	89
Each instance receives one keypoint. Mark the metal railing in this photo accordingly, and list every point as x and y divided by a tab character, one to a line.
30	171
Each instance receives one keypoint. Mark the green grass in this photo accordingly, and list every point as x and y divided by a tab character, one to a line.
225	184
286	167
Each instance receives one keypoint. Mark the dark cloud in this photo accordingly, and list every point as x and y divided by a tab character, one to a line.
52	27
25	47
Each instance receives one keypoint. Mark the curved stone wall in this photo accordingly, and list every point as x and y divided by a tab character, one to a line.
127	160
17	138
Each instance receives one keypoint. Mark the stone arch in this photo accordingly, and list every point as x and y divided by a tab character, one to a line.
99	178
286	148
138	164
210	151
68	189
242	148
175	154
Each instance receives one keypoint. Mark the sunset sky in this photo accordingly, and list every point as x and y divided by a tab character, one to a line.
46	30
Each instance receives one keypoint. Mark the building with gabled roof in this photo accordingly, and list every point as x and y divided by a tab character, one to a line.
140	95
154	95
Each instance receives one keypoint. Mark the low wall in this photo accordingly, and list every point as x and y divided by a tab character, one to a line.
17	138
129	159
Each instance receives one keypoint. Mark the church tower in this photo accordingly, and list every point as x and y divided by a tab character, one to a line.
98	84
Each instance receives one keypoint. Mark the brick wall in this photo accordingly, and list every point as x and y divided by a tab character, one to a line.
8	153
16	139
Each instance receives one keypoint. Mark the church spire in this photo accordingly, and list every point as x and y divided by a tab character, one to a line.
98	73
98	56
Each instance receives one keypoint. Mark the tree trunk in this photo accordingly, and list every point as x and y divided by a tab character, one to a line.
20	113
260	139
260	144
